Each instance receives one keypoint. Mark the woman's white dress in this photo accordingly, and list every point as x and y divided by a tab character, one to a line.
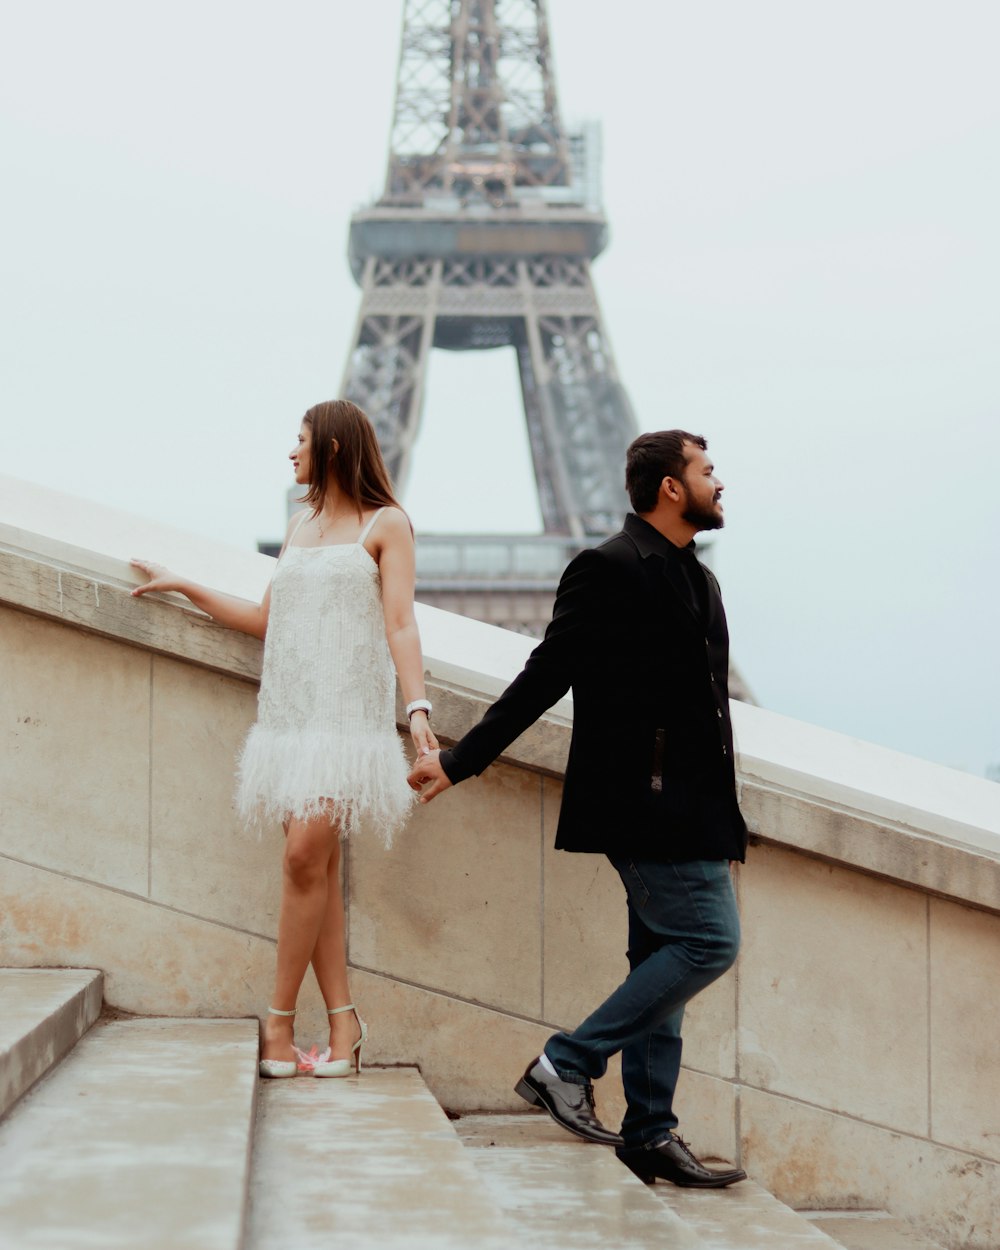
326	724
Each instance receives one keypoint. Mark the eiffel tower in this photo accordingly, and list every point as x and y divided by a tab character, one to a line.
483	238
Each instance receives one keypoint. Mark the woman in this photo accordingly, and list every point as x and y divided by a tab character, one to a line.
324	756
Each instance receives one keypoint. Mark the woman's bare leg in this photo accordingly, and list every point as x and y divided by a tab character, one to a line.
309	847
329	961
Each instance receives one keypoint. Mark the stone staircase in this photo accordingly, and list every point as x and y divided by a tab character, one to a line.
156	1133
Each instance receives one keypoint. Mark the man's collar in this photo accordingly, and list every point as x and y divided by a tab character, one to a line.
649	541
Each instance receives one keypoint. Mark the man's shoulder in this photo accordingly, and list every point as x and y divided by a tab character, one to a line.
618	549
612	561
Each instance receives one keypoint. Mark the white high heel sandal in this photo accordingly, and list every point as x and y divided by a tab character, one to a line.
343	1067
278	1067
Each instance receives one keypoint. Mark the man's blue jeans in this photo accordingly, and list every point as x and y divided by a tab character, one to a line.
683	933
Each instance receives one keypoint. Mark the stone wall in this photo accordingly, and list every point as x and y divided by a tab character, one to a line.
850	1058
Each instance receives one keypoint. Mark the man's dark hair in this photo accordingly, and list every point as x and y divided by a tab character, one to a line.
651	458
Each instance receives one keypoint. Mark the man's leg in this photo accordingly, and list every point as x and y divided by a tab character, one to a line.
688	912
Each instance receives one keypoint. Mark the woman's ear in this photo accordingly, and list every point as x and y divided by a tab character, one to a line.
336	446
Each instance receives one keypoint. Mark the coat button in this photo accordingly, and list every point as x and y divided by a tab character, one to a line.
718	712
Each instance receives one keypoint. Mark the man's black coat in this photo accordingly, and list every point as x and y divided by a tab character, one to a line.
650	772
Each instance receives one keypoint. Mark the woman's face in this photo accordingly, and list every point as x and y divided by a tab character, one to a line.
301	455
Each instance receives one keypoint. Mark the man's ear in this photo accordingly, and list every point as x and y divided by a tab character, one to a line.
670	488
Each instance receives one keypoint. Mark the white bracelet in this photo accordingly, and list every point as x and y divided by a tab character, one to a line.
419	705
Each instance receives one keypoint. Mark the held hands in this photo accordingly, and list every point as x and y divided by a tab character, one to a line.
427	776
160	578
422	734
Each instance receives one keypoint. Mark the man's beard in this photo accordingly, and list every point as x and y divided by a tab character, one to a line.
703	518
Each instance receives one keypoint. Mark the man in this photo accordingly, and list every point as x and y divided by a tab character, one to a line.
639	633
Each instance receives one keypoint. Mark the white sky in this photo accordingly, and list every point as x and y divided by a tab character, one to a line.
804	266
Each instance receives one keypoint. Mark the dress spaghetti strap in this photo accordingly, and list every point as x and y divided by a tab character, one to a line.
368	528
298	525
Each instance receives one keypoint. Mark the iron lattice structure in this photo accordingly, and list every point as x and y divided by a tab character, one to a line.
483	238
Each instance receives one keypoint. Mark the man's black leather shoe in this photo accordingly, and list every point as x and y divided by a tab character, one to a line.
568	1103
673	1161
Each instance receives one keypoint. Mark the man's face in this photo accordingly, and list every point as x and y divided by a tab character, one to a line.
702	490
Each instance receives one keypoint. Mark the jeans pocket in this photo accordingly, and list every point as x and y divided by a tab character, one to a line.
634	885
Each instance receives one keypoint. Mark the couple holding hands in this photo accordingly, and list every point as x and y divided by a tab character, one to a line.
638	632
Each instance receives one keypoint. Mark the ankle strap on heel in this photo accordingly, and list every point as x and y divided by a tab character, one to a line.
273	1011
335	1011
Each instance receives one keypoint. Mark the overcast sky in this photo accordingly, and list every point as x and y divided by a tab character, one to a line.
804	266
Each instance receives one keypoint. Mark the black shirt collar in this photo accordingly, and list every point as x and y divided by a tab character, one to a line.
650	542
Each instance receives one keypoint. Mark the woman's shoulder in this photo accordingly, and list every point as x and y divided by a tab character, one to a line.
392	522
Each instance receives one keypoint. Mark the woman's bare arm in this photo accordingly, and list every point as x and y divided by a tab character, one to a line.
396	562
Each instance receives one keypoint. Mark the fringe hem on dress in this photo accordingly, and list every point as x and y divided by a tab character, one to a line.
303	774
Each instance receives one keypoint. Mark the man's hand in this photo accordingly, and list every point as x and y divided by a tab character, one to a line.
427	776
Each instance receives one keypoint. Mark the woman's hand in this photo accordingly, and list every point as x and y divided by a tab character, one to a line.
422	734
160	578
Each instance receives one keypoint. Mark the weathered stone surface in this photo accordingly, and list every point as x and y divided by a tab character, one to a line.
366	1161
813	1158
833	989
45	1012
470	1056
543	1181
456	904
203	859
155	959
965	1010
139	1138
102	604
743	1217
74	763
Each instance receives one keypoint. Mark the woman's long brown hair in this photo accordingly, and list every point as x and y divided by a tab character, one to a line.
356	466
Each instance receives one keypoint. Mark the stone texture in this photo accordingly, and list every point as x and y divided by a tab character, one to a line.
456	904
203	859
154	959
810	1159
558	1192
366	1161
965	1025
706	1109
92	593
743	1217
870	1230
45	1012
140	1138
470	1056
74	751
833	989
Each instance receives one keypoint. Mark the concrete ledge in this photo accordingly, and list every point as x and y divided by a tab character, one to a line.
45	1013
60	587
856	839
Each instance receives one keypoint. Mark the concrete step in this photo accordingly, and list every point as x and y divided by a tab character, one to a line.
548	1182
557	1191
743	1217
140	1137
362	1161
870	1230
43	1013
